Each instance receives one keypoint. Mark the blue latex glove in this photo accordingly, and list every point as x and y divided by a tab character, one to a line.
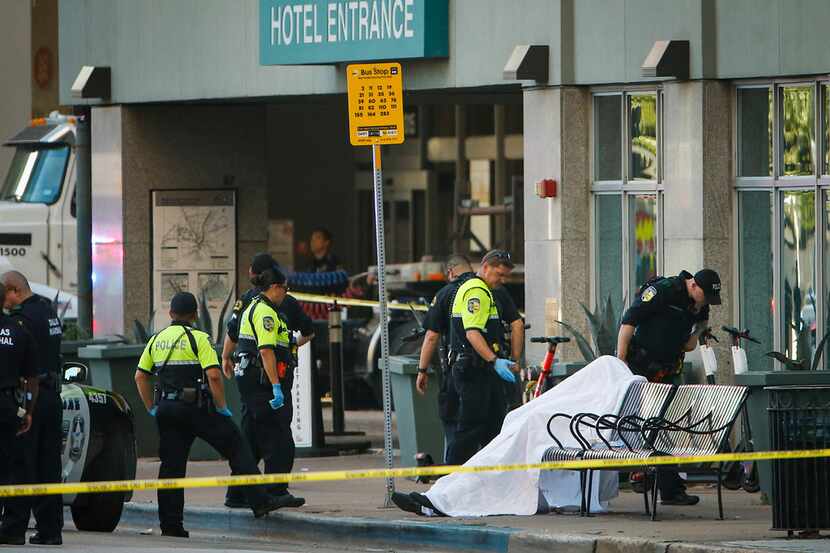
503	369
278	400
153	410
225	412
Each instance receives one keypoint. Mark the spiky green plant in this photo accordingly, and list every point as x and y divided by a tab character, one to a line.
603	323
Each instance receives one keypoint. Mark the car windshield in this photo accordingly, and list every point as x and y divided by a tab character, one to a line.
35	174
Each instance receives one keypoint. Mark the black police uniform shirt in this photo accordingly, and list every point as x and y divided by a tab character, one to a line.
41	320
17	352
438	316
662	317
508	312
290	311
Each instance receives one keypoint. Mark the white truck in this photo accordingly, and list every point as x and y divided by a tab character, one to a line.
37	209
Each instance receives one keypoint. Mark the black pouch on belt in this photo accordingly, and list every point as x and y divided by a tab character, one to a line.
190	395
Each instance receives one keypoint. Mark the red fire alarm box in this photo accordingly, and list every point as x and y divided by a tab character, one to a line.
546	188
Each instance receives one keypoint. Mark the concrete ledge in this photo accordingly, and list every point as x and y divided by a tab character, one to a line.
435	536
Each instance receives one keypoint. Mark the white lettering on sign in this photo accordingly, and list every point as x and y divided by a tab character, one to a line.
342	21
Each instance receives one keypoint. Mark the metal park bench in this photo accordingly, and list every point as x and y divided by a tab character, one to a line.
695	420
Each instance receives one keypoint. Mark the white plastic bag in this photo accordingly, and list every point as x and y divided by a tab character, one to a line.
710	363
739	360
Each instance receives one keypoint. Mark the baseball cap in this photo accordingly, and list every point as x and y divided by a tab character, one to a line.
261	262
709	282
499	257
183	303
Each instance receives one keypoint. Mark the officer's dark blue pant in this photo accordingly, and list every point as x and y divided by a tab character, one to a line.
481	408
268	432
8	427
180	423
40	448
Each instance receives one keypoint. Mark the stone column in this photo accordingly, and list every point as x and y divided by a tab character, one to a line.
697	212
557	262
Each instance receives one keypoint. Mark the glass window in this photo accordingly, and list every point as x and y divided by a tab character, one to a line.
755	258
608	138
609	253
642	221
798	278
755	132
797	133
826	129
826	246
35	176
643	137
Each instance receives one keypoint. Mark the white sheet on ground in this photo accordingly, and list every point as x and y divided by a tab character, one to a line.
597	388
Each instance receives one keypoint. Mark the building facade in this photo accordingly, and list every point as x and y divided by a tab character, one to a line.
721	163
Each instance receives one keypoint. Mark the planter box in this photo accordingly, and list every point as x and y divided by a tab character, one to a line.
757	405
112	366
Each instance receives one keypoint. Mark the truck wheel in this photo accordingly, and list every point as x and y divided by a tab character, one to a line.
100	512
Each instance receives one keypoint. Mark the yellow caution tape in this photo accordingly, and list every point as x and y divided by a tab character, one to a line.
352	302
222	481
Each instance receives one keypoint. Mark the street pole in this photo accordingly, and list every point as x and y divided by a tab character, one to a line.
336	369
384	320
83	206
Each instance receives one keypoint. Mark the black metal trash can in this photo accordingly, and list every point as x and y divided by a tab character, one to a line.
799	418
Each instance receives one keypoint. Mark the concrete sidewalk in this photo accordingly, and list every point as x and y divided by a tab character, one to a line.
352	512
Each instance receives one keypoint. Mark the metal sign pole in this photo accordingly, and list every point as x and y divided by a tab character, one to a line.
384	320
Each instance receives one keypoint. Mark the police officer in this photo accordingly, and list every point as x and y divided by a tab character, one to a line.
189	402
265	376
437	325
17	361
41	447
296	319
663	322
480	366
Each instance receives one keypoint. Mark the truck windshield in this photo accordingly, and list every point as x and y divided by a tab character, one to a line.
36	174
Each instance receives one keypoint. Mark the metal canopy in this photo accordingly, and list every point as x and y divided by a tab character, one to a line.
667	58
528	62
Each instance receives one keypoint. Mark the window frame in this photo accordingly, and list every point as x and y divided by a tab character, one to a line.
777	184
625	188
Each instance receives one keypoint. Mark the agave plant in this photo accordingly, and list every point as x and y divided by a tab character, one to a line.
603	323
205	321
141	332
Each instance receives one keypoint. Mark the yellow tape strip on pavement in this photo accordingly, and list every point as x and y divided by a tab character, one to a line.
222	481
352	302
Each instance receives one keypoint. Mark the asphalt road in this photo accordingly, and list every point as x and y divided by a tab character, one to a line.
132	541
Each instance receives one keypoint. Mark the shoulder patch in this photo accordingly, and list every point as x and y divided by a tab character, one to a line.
473	305
238	305
268	323
648	294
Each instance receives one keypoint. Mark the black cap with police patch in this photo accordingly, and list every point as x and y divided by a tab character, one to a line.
261	262
709	282
183	303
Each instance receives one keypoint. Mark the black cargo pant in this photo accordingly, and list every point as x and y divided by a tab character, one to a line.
40	451
481	408
268	432
9	423
180	423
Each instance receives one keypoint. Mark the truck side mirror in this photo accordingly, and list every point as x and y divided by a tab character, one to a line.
74	372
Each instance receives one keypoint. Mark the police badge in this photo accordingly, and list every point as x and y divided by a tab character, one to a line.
648	294
473	305
268	323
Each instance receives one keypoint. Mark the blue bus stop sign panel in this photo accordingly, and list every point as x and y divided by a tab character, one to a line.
296	32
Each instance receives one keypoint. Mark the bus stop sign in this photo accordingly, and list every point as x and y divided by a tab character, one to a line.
375	103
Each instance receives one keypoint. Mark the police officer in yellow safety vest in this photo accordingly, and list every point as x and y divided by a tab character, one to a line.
481	365
189	402
265	376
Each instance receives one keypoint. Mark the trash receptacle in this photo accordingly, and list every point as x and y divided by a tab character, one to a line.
419	428
799	418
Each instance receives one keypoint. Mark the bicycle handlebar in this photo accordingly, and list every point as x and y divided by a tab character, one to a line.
549	339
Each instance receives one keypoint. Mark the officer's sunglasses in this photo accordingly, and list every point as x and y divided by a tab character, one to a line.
498	255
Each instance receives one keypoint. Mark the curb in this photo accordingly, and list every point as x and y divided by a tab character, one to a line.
362	531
